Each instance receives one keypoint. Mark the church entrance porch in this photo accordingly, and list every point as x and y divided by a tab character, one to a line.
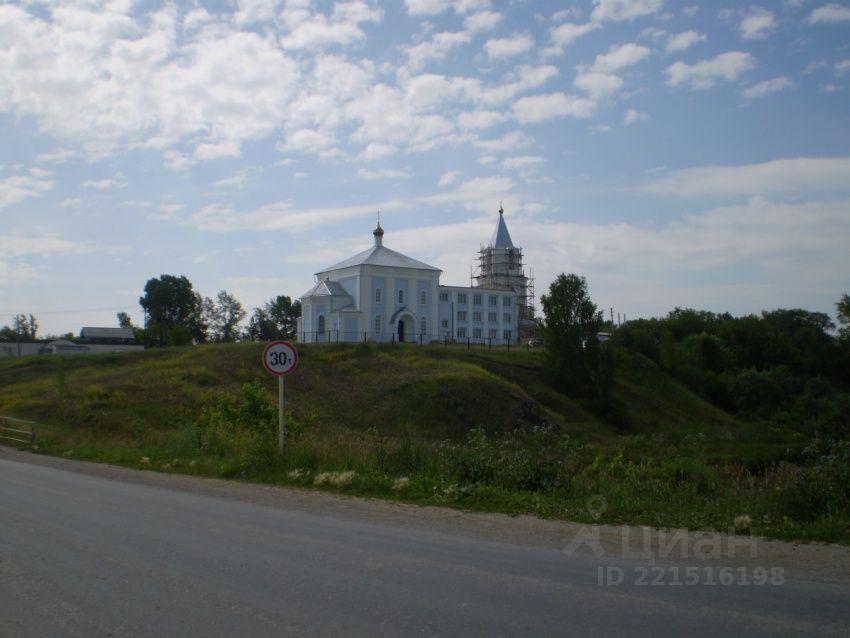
405	329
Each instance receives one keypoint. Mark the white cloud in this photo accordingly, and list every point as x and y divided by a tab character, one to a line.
177	161
448	178
618	10
482	21
436	48
477	120
57	156
98	77
539	108
705	73
281	216
16	273
785	177
767	87
830	14
633	115
565	34
238	181
386	173
342	27
517	44
620	57
522	162
376	151
308	141
842	67
434	7
599	80
42	243
475	194
788	252
103	184
758	24
598	85
426	7
19	188
252	11
508	142
684	41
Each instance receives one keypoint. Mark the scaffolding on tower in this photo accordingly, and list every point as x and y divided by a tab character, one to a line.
501	268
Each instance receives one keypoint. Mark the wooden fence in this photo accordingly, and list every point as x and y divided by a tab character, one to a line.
14	431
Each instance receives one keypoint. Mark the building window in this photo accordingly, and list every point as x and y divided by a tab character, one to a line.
444	296
491	333
461	315
378	325
400	297
492	300
377	295
423	326
507	335
506	302
461	297
476	317
507	318
476	299
321	324
491	317
423	298
476	333
461	332
445	323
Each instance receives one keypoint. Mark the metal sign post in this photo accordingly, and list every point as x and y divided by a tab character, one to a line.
280	358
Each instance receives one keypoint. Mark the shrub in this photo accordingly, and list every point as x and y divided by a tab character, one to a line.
246	430
533	461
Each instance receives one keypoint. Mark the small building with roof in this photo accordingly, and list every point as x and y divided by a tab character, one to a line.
385	296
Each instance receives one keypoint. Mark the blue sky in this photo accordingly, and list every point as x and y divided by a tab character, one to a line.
674	153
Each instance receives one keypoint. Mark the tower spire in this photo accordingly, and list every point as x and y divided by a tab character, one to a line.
378	233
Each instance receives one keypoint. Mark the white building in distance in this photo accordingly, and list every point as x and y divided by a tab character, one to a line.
384	296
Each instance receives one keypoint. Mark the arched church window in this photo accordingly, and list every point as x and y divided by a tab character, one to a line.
378	325
321	324
377	295
401	296
423	326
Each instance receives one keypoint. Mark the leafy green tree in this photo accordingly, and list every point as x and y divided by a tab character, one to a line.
227	314
277	319
169	303
574	359
124	320
843	308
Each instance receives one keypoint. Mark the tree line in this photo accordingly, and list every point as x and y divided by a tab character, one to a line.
24	328
175	314
786	366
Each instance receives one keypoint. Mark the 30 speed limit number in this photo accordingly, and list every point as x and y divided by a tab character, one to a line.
280	358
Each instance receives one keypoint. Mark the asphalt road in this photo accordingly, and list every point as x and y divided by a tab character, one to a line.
84	555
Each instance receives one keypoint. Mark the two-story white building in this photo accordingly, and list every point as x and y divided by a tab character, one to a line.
384	296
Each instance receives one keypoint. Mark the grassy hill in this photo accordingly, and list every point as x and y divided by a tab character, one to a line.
434	391
468	428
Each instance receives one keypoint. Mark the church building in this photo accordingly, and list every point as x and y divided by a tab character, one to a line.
384	296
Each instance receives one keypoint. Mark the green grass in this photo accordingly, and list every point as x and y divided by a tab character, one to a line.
385	413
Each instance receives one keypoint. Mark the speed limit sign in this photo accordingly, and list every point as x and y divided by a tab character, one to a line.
280	358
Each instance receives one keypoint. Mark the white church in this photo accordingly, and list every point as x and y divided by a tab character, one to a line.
384	296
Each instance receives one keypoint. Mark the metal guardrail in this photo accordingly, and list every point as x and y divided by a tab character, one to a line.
22	432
